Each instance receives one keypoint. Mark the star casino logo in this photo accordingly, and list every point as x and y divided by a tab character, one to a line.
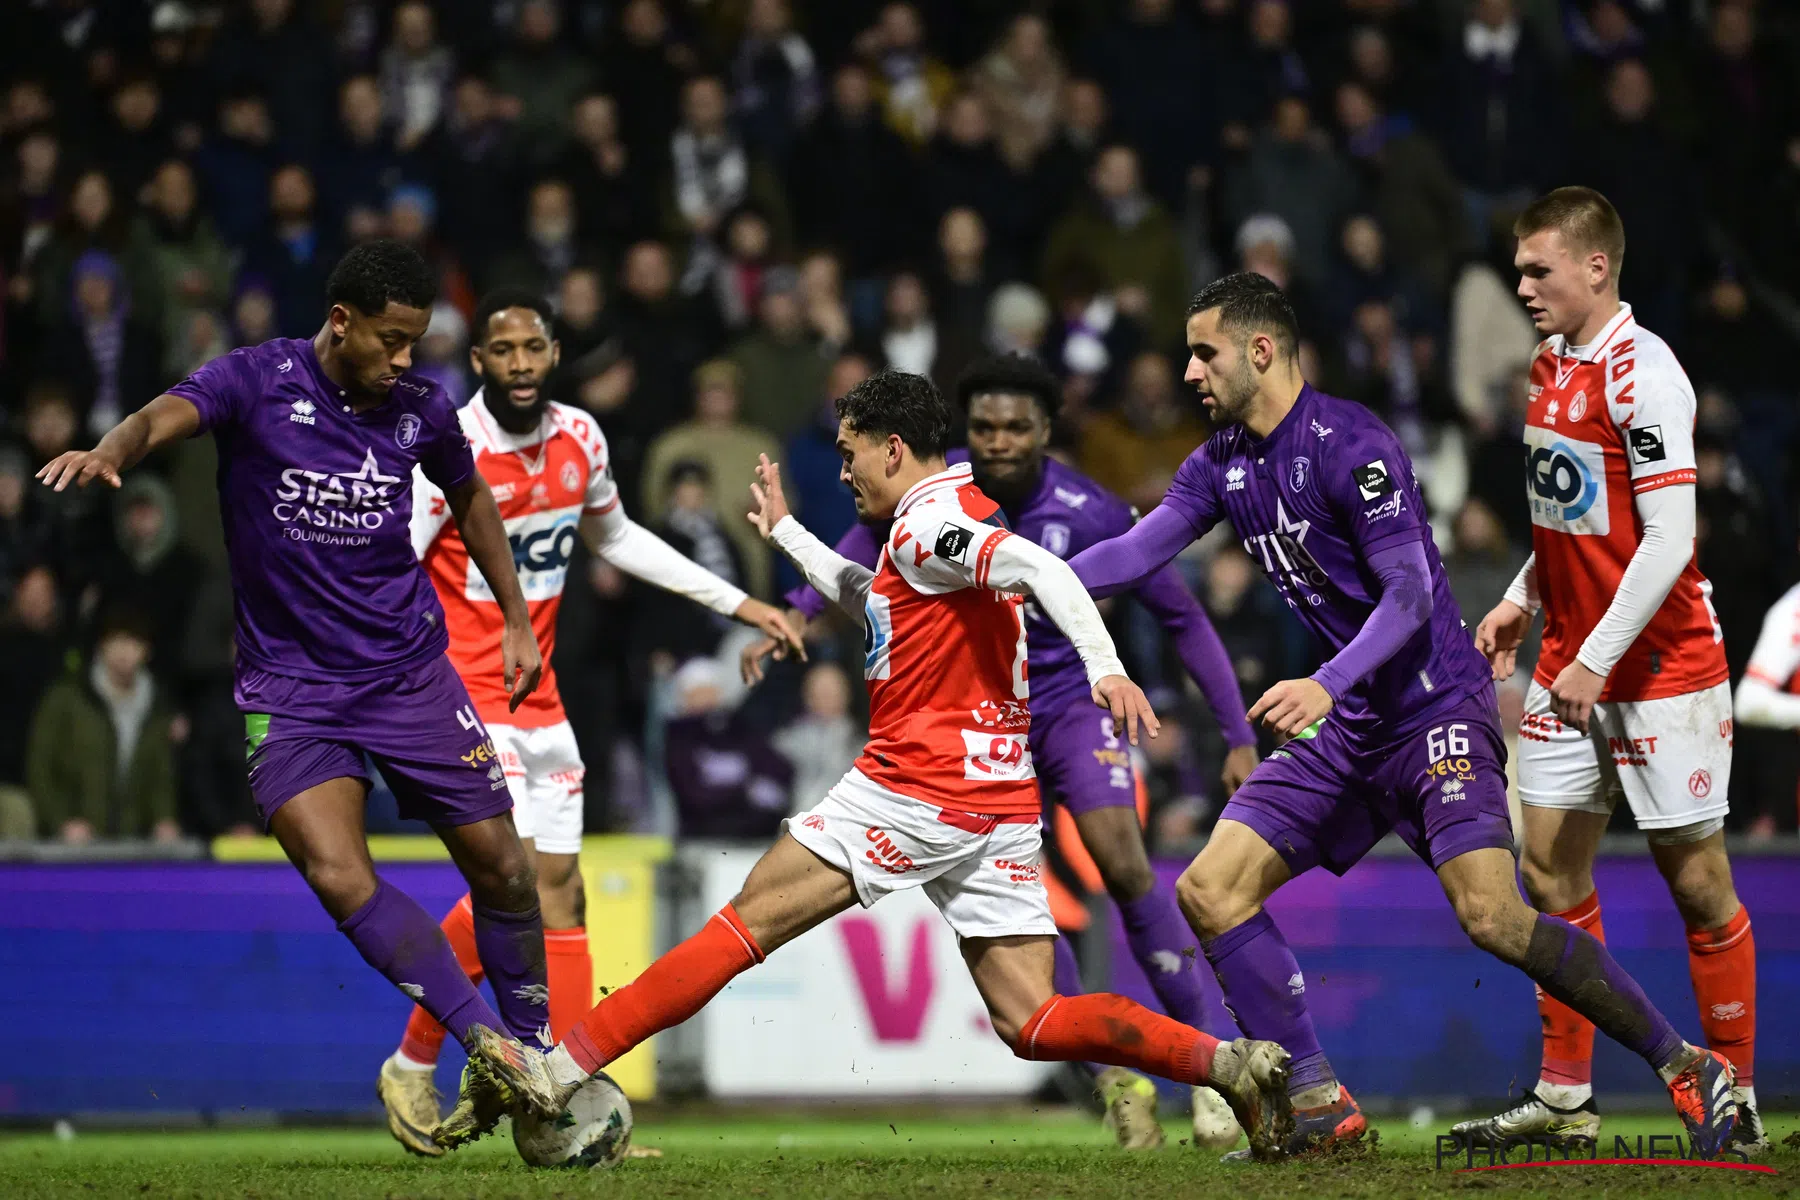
336	507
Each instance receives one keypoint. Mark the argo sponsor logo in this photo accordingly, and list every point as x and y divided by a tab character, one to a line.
1566	483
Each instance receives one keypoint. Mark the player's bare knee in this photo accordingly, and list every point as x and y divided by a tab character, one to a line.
1550	888
1211	902
1498	924
562	899
342	885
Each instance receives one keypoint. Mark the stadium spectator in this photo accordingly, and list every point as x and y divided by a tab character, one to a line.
822	300
100	760
235	164
412	218
774	80
191	265
728	448
136	138
647	61
962	168
583	322
665	334
1021	82
417	74
295	253
1494	116
1404	181
1161	73
1749	106
541	74
442	355
851	180
1264	68
473	161
149	571
29	205
109	357
1081	130
1136	449
909	337
960	286
737	273
672	625
25	530
1018	318
32	643
713	171
728	781
364	165
911	84
824	740
1094	340
779	363
1129	238
614	193
1482	561
553	244
1293	172
275	50
93	220
813	464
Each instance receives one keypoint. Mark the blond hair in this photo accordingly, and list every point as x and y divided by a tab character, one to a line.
1587	221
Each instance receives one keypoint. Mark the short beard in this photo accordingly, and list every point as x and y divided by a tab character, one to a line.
510	417
1231	403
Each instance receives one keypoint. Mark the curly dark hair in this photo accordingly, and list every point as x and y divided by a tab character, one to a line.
894	402
1014	374
1250	303
381	272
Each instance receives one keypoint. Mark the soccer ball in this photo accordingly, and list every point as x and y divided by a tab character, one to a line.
594	1131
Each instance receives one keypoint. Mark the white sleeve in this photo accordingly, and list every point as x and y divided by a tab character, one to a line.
1017	565
430	511
842	582
1524	589
636	551
1762	695
1652	403
1665	547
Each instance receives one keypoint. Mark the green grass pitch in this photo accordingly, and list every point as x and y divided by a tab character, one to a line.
918	1154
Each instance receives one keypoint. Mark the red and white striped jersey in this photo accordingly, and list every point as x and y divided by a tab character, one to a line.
543	482
1776	659
1607	423
944	658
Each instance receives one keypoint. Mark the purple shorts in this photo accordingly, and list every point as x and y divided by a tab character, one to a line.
1325	800
1081	764
418	726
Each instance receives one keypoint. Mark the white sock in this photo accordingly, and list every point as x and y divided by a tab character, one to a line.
1746	1095
406	1062
1564	1095
563	1067
1318	1096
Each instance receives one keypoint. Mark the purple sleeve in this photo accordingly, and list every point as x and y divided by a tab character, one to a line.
1122	563
218	388
1404	607
448	461
1201	651
859	545
1370	481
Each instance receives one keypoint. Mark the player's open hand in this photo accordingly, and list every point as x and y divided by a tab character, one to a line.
1129	706
771	505
1498	637
1292	706
1239	762
1574	694
524	663
782	640
79	467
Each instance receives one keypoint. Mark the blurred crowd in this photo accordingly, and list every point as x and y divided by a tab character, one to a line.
740	207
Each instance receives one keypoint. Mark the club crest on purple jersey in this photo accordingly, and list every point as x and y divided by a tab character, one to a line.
407	431
1298	475
1055	539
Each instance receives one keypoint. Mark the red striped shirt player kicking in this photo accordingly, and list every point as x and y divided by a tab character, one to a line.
944	797
551	474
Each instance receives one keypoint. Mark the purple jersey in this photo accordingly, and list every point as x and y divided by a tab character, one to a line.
1329	487
317	501
1065	514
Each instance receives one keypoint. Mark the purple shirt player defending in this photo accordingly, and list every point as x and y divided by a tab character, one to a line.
1081	763
1398	731
340	636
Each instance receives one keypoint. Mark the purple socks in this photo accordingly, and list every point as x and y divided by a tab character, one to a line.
1163	945
402	941
1572	966
1266	995
511	948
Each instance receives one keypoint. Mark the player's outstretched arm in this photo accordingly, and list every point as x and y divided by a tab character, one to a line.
640	553
1125	562
842	582
477	518
166	419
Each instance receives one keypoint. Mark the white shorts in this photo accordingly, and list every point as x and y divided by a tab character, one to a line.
544	772
1669	758
981	872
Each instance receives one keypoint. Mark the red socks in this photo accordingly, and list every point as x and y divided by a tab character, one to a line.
1104	1028
568	964
1568	1036
1722	964
671	989
570	969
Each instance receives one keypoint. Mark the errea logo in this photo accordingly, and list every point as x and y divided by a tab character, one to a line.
1234	479
303	411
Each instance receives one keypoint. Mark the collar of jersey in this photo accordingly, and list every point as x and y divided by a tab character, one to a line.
1296	417
501	438
952	478
1591	352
